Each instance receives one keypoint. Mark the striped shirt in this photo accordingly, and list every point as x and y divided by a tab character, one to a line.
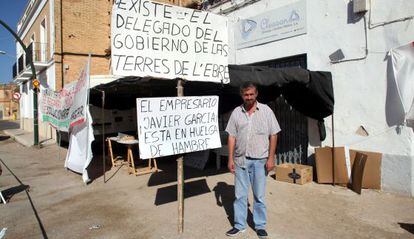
252	132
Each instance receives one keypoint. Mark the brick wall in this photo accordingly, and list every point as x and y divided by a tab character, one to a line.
86	29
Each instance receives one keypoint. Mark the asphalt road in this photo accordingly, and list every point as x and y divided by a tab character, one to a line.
8	124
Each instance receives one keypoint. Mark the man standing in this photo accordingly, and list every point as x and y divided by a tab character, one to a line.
252	130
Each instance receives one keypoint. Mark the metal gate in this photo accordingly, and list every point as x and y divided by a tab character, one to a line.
292	146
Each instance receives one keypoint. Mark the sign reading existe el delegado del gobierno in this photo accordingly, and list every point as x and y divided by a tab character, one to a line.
159	40
177	125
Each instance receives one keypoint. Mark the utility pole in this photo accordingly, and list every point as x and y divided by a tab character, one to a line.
35	89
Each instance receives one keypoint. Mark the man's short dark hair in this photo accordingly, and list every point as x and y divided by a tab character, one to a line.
247	84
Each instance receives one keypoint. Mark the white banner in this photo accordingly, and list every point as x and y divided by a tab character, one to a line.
281	23
177	125
159	40
66	108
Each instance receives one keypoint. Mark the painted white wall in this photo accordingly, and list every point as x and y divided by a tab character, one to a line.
51	77
364	95
52	27
21	106
26	100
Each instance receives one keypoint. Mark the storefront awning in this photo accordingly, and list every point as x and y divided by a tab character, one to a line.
309	92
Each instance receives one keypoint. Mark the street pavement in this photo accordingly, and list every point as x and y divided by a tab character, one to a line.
26	138
44	200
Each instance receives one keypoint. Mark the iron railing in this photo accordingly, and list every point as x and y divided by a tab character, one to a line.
14	70
38	52
20	66
293	139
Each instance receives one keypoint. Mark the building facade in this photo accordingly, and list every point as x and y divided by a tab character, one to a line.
352	40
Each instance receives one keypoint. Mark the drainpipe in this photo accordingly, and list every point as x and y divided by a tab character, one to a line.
61	44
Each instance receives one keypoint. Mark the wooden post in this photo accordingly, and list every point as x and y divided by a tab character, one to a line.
333	151
180	175
180	169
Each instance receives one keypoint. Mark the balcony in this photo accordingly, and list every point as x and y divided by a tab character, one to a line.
39	53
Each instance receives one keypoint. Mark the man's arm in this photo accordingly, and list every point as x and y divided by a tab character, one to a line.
231	142
270	164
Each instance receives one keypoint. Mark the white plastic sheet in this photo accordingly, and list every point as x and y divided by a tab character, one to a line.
403	67
79	153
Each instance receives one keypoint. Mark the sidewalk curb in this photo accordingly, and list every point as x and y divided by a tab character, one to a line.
19	136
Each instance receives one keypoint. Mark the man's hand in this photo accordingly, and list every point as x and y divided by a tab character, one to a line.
270	164
230	165
231	142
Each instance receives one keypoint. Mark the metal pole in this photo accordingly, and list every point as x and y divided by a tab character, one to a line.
333	151
180	175
35	116
103	135
35	119
60	141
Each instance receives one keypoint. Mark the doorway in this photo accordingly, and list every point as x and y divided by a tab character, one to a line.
292	146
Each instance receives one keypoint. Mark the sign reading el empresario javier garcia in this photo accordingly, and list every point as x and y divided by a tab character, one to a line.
177	125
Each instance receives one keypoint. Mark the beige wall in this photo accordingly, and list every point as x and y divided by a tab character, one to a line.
7	104
99	66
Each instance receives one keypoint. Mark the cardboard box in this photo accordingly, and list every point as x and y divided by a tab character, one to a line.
303	173
372	173
323	160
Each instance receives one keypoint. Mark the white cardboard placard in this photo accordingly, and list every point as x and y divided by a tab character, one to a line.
177	125
164	41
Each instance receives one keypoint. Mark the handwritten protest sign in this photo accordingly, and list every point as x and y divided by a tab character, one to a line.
66	108
155	39
177	125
